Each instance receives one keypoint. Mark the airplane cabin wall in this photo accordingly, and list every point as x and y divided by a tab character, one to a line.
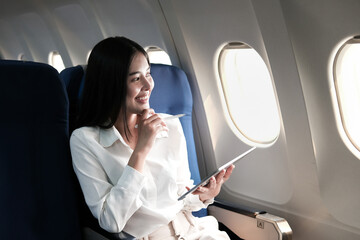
203	44
283	178
317	29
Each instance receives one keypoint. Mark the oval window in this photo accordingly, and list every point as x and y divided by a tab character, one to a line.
346	72
56	61
22	57
157	55
249	93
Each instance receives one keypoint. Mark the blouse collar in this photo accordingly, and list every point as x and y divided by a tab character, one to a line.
109	135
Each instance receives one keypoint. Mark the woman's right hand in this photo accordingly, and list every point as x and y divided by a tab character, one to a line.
149	125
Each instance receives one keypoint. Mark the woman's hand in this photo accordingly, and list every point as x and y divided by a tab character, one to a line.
149	125
213	188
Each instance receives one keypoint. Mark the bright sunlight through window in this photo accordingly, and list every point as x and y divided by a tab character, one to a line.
157	55
56	61
249	93
347	85
21	57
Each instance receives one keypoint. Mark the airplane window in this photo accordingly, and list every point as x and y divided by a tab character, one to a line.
56	61
22	57
347	85
157	55
88	55
249	93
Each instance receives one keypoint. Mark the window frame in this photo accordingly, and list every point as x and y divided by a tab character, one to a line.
157	49
355	39
237	46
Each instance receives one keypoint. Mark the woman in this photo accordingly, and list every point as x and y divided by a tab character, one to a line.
132	165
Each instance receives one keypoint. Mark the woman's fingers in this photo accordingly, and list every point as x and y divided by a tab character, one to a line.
146	113
224	175
152	120
228	172
212	189
220	176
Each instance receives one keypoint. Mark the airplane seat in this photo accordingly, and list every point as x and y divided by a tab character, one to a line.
38	199
73	78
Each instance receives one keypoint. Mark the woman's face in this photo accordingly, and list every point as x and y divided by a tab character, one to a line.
139	85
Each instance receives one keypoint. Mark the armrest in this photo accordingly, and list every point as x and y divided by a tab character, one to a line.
241	209
249	223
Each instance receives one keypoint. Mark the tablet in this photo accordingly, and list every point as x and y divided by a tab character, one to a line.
226	165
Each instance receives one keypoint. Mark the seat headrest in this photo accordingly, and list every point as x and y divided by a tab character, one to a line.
172	93
31	90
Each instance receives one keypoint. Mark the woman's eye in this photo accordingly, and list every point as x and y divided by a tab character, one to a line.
136	79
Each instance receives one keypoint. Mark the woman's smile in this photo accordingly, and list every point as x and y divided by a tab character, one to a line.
143	98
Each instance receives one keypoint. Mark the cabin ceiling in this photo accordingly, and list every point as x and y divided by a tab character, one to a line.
13	8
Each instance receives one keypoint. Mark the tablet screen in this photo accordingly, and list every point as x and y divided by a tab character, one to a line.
226	165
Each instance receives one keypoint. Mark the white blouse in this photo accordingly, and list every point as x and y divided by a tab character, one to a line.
120	197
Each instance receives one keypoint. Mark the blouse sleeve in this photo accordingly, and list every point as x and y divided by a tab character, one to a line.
111	204
191	201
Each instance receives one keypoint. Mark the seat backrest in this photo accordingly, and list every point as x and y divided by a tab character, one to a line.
172	95
36	179
73	78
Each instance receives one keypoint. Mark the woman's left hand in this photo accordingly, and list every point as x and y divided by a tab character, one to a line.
213	188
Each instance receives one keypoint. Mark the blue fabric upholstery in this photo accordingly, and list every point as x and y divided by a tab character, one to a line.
172	95
36	178
73	78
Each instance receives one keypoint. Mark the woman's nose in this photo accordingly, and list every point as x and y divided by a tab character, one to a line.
146	83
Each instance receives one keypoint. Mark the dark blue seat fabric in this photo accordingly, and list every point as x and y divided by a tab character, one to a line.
73	78
36	178
172	95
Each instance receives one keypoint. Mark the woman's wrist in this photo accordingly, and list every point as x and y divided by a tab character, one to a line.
137	160
206	201
204	198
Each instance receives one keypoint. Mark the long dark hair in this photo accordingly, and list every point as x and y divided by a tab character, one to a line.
105	89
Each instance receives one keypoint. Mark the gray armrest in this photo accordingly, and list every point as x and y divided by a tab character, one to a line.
248	223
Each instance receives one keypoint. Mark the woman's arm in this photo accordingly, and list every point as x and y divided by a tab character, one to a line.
111	204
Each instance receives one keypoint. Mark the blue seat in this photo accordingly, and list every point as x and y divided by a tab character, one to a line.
73	78
36	179
172	95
